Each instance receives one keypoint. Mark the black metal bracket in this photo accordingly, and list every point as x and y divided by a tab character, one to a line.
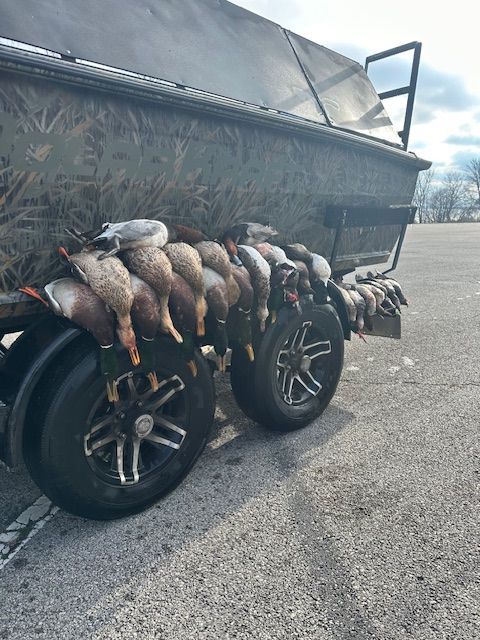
339	218
409	90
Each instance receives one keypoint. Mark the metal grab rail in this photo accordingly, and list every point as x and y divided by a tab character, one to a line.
409	90
340	218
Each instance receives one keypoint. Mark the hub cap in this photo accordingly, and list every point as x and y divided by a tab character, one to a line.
139	434
299	370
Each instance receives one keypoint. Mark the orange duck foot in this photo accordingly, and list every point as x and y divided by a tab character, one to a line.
134	356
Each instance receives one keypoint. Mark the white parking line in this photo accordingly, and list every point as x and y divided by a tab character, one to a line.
22	530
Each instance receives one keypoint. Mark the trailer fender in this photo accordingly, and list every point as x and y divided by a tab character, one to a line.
29	382
337	299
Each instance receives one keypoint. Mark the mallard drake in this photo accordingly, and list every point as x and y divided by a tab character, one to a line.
304	286
248	233
259	271
186	262
391	289
319	269
387	304
77	302
379	297
217	301
110	280
187	234
183	311
239	327
153	267
298	251
370	301
146	317
132	234
215	256
265	249
396	285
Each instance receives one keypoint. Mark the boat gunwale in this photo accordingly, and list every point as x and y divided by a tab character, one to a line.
190	99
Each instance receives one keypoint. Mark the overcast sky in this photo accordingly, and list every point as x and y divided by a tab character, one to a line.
446	119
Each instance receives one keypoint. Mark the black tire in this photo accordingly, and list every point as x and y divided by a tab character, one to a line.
259	387
62	453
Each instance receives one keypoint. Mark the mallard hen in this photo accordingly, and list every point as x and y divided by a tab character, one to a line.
153	267
186	262
110	280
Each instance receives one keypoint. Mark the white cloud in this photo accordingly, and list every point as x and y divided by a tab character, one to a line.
450	71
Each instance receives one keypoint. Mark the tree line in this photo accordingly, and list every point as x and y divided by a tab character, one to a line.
452	197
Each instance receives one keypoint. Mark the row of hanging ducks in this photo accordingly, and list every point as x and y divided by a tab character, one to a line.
375	293
141	276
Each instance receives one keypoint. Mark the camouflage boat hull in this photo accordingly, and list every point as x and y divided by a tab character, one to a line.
79	156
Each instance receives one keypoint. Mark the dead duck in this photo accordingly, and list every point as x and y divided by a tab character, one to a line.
259	271
183	311
132	234
186	262
188	234
304	284
281	268
350	305
266	251
379	297
146	317
360	306
396	285
153	267
217	300
392	288
320	272
373	285
319	269
78	302
215	256
297	251
287	265
370	301
239	327
248	233
110	280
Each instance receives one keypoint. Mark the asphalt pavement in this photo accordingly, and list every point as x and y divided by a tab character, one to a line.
363	525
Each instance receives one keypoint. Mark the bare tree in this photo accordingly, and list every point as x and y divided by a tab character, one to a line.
450	200
423	191
472	171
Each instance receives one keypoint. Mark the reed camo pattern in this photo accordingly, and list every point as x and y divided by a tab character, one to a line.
76	157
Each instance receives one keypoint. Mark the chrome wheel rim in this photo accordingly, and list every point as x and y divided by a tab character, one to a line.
302	364
134	438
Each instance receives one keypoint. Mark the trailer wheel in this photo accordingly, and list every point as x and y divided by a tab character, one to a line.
102	461
296	370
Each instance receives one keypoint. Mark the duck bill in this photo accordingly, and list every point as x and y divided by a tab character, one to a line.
193	368
152	378
222	365
112	391
134	356
175	334
201	311
200	327
250	352
30	291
